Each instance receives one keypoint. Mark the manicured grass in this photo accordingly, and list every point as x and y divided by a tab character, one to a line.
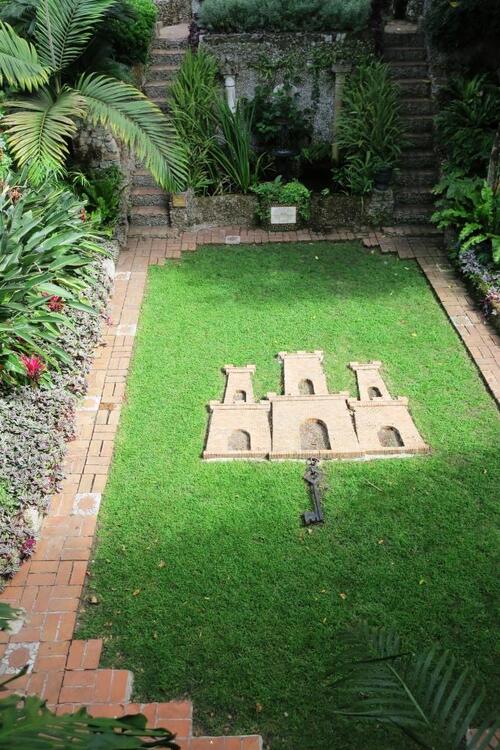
207	584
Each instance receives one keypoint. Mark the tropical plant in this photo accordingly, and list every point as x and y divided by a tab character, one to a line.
279	121
423	694
285	15
101	189
218	141
370	132
46	249
472	207
131	40
467	122
40	125
279	193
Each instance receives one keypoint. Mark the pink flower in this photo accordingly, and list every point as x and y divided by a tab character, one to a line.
34	367
28	546
55	304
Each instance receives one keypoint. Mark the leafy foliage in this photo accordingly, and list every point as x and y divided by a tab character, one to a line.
467	122
283	194
472	207
39	128
101	189
131	39
279	120
370	132
284	15
421	694
45	252
218	141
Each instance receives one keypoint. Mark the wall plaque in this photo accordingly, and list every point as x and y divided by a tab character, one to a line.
283	214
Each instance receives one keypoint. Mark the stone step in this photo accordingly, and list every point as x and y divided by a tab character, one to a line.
149	216
408	54
418	158
420	141
167	56
414	87
161	231
416	230
418	124
403	39
413	178
143	178
404	69
411	106
148	195
412	197
412	214
161	103
173	44
157	89
161	72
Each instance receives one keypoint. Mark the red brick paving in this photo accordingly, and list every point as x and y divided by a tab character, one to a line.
49	586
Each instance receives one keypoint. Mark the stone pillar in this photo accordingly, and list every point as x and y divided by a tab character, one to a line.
230	84
340	71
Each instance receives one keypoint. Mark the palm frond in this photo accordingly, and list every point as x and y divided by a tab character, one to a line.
422	694
38	134
138	123
19	63
64	28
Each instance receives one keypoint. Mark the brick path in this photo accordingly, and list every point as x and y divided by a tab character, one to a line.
49	586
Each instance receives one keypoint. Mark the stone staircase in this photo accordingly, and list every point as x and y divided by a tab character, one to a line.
149	215
405	53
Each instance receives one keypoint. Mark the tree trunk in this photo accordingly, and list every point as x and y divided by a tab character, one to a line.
494	165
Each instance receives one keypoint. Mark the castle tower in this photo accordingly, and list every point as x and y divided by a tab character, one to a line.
303	374
239	427
383	424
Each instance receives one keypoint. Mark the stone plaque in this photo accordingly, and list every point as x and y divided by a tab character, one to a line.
283	214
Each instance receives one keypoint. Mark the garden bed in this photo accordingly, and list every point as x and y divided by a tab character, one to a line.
205	584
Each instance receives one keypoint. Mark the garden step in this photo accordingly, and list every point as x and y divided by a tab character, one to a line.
408	54
418	123
404	69
161	103
159	72
418	158
403	39
157	89
161	231
417	106
412	214
149	215
143	178
167	56
413	178
419	141
415	196
148	195
414	87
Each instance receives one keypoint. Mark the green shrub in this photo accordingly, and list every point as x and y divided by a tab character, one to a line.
279	121
46	249
370	132
278	193
284	15
467	123
101	189
131	40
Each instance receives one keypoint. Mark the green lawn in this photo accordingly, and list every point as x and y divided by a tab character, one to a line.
207	584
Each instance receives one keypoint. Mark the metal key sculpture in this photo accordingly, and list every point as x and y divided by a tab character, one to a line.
313	477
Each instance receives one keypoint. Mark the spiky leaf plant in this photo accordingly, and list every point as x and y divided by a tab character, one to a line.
424	694
40	124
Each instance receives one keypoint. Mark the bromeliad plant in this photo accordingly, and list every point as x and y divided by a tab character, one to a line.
40	124
423	695
46	248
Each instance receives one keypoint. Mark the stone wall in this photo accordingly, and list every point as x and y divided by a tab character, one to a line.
327	212
171	12
302	60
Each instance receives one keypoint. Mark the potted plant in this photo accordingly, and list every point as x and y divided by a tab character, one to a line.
283	205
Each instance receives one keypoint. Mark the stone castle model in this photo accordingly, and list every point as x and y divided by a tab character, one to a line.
307	420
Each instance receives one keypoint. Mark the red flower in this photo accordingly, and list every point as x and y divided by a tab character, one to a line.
55	304
83	214
34	367
15	194
28	546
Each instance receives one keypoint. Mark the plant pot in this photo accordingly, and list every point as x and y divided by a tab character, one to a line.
382	178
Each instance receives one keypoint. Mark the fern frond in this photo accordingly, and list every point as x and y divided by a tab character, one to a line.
137	122
63	28
19	63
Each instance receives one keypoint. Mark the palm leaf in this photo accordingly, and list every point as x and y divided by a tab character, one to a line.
19	64
64	28
138	123
421	694
38	135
